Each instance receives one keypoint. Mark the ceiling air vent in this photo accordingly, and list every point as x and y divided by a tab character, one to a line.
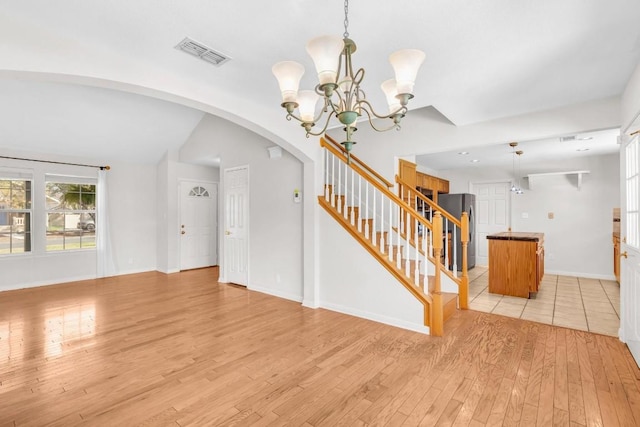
201	51
567	138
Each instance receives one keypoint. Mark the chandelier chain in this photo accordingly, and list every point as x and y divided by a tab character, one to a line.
346	19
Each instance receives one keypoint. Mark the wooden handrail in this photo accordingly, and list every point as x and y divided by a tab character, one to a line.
366	167
430	202
397	200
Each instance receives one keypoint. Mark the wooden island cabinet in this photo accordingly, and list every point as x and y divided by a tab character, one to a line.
516	263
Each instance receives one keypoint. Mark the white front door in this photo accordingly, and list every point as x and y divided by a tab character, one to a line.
493	204
236	225
198	213
630	245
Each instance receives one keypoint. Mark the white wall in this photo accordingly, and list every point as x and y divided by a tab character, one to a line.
131	204
276	233
578	238
353	282
170	171
631	100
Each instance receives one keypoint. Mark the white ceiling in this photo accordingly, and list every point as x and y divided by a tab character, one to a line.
91	122
485	60
501	155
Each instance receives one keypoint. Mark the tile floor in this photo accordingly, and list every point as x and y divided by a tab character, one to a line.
573	302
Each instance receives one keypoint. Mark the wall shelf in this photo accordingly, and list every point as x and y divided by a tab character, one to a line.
532	176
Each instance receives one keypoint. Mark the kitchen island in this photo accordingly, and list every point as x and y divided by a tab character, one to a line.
516	263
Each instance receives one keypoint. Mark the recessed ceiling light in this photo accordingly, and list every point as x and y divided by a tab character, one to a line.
463	152
582	149
475	161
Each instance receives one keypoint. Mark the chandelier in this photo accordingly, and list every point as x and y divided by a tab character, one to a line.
516	188
340	87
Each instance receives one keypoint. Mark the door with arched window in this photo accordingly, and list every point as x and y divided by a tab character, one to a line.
198	219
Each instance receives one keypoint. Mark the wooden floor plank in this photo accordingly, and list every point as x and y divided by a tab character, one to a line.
547	382
184	350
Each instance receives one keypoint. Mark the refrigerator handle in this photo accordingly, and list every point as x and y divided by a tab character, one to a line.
471	224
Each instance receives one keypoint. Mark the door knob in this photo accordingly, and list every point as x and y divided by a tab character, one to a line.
624	254
183	232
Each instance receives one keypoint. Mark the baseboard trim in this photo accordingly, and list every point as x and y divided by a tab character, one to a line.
16	286
391	321
310	303
585	275
276	293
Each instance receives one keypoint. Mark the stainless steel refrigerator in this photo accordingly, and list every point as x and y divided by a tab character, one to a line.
455	204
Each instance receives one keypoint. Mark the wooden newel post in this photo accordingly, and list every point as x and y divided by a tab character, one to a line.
437	311
463	294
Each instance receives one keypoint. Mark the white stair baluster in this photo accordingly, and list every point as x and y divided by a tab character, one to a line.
366	195
416	270
360	203
398	254
445	229
372	236
454	245
407	234
390	235
333	181
425	256
325	159
339	189
353	206
381	238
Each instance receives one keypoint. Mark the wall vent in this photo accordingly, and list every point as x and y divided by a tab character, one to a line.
567	138
201	51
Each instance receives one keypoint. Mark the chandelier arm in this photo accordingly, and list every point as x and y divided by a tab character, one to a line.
358	77
293	116
324	129
393	126
402	110
335	110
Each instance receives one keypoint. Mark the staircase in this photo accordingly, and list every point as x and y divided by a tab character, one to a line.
399	236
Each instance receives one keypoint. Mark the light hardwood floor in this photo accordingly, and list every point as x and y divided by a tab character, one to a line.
158	350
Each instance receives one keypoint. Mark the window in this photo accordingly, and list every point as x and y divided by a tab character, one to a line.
198	192
15	216
71	215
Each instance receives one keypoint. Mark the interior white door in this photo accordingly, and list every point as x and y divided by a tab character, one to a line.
630	246
198	214
493	204
236	225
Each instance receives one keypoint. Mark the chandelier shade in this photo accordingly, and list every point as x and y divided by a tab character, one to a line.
288	74
390	89
406	63
307	101
339	86
325	52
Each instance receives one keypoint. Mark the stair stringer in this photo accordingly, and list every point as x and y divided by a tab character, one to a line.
354	280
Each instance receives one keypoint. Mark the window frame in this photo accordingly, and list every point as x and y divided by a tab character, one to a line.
62	180
28	211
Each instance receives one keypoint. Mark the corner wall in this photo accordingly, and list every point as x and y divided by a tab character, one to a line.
132	225
276	222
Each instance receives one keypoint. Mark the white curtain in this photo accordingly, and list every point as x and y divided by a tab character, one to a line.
105	264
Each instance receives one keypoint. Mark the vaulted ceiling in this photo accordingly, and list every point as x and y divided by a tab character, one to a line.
484	60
